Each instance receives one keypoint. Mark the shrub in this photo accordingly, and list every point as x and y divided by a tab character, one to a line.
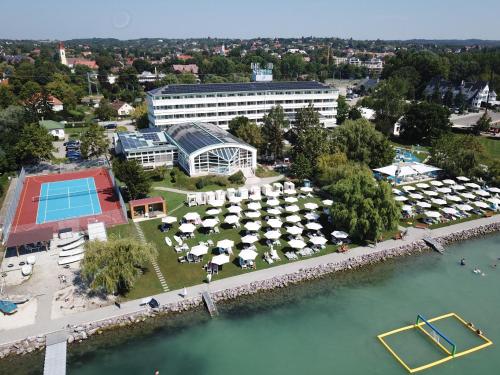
173	176
237	178
200	183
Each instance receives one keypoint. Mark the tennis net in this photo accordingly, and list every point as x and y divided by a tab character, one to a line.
67	195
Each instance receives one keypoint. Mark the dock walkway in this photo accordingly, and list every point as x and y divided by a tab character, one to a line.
209	303
55	353
434	244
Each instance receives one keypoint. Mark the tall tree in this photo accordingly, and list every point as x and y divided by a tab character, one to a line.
105	111
115	265
362	143
272	131
302	167
460	102
34	145
131	173
483	124
140	116
389	103
94	142
342	110
424	122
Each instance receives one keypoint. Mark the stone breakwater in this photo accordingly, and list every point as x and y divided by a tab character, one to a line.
84	331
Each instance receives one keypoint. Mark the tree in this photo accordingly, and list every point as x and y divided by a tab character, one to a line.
306	118
301	167
342	110
34	145
483	124
448	98
458	155
292	65
94	142
105	111
389	103
354	114
424	122
328	167
460	102
363	207
361	142
29	90
7	97
248	131
272	131
115	265
131	173
140	116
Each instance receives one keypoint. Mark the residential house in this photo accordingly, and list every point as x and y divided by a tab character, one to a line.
188	68
475	93
122	108
55	128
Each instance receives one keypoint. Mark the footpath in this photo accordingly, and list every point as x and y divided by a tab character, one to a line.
130	307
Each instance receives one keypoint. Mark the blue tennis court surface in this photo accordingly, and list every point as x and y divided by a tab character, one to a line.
67	200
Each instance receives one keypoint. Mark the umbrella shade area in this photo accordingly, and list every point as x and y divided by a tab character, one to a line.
234	209
416	196
397	191
306	189
468	195
187	228
199	250
472	185
407	208
423	185
293	208
464	207
449	182
430	193
255	206
409	188
493	200
225	244
192	216
209	223
235	200
458	187
481	204
272	235
274	211
339	234
482	193
249	238
220	259
318	241
436	183
275	223
432	214
291	200
311	216
273	202
453	198
329	202
444	190
310	206
169	219
439	202
463	178
424	205
314	226
252	214
297	244
294	231
449	211
248	254
400	198
231	219
213	211
252	226
494	190
292	219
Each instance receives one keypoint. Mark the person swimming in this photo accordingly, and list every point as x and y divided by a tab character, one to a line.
462	262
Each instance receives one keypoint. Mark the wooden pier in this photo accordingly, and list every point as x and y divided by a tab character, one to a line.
55	353
435	245
212	309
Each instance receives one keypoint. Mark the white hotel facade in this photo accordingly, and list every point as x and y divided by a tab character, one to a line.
219	103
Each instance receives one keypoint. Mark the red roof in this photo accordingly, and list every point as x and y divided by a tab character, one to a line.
146	201
184	57
76	61
32	236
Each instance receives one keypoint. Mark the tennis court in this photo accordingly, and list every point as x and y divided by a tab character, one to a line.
67	199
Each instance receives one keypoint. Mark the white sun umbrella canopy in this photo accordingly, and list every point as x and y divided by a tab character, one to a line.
310	206
449	211
213	211
187	228
209	223
397	191
453	198
464	207
409	188
191	216
225	244
423	185
249	238
297	244
400	198
468	195
311	216
272	235
292	219
449	182
407	208
273	194
255	197
329	202
416	196
255	206
430	193
432	214
220	259
294	231
318	240
339	234
273	211
463	178
291	199
273	202
494	190
169	219
231	219
444	190
252	214
235	200
199	250
458	187
293	208
481	204
424	205
234	209
306	189
314	226
217	203
436	183
252	226
439	202
482	193
248	254
275	223
472	185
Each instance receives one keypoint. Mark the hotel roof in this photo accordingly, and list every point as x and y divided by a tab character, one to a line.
143	140
238	87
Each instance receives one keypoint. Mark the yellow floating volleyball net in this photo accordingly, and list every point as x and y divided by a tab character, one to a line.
431	342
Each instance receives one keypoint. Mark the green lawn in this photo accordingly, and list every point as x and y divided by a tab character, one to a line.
492	146
74	133
264	172
184	182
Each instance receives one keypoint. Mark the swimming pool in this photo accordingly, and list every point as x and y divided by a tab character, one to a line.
405	155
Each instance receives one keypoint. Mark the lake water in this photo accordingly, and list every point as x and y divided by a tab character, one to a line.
327	326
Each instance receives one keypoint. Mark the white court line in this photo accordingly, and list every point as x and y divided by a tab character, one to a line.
46	203
90	196
65	209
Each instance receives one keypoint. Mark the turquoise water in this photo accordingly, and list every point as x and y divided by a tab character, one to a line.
323	327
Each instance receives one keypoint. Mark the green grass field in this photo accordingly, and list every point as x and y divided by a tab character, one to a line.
184	182
492	146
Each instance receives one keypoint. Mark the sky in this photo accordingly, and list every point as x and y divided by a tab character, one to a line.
359	19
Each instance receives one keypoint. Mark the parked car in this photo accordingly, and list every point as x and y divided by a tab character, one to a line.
72	142
110	126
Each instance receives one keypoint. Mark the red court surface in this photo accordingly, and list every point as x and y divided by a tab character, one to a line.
112	213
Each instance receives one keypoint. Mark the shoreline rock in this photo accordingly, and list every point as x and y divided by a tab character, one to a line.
78	333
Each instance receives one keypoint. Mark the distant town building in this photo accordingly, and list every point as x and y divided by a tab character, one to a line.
475	93
187	68
219	103
122	108
74	61
146	76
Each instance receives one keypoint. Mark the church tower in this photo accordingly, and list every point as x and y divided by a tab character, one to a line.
62	54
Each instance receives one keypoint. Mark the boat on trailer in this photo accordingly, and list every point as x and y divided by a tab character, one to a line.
69	253
71	259
73	245
67	241
7	307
